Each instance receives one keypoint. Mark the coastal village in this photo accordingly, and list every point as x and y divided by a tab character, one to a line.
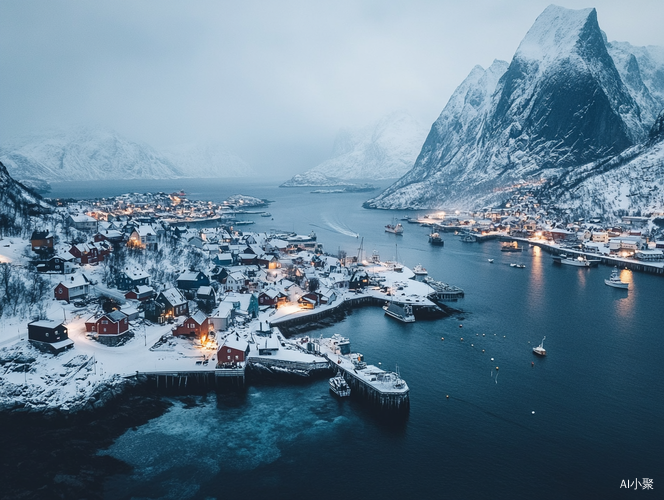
160	288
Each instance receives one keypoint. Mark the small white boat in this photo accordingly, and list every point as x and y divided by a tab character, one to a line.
615	280
490	261
419	270
394	228
539	350
518	266
339	386
402	313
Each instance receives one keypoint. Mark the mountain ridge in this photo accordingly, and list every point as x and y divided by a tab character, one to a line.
560	103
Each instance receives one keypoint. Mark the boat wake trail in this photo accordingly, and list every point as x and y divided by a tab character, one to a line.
337	227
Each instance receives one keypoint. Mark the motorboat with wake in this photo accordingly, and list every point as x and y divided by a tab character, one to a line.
539	350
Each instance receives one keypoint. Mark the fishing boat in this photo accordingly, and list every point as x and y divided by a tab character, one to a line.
435	239
615	280
403	313
539	350
339	386
419	270
580	261
511	247
394	228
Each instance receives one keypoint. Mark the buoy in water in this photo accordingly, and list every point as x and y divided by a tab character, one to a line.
472	345
460	326
533	413
442	338
448	396
461	339
483	335
496	367
491	359
482	350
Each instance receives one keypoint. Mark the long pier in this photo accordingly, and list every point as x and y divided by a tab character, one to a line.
384	391
609	261
171	379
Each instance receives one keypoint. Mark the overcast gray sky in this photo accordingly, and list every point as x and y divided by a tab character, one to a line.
272	80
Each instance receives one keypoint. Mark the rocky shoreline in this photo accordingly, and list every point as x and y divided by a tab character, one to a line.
55	455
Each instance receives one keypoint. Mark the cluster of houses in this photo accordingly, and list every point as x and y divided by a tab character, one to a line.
242	274
524	217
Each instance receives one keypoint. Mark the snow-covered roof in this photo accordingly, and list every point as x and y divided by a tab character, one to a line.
235	343
223	310
199	317
82	218
189	276
74	281
173	296
116	315
46	323
136	274
204	290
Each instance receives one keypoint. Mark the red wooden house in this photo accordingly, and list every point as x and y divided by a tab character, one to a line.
197	325
233	351
72	288
90	253
113	323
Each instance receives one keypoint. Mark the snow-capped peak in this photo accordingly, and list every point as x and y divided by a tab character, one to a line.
555	33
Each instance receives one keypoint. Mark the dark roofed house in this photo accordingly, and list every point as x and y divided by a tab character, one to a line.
49	335
174	302
131	278
41	242
192	280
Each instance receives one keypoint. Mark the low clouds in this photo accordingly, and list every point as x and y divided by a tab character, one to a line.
273	81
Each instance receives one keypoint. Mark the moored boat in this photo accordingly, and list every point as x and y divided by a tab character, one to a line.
394	228
435	239
511	247
468	238
580	261
539	350
419	270
339	386
403	313
615	280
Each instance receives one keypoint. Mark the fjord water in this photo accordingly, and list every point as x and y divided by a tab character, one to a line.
574	425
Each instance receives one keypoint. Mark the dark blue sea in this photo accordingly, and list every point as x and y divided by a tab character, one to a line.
573	425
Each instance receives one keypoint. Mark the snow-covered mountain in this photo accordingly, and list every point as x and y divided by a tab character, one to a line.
629	183
16	203
384	150
95	153
560	103
207	160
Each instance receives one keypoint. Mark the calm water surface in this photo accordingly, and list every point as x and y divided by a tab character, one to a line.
596	397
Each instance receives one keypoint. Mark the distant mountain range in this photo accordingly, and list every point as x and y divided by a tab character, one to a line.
95	154
384	150
568	99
